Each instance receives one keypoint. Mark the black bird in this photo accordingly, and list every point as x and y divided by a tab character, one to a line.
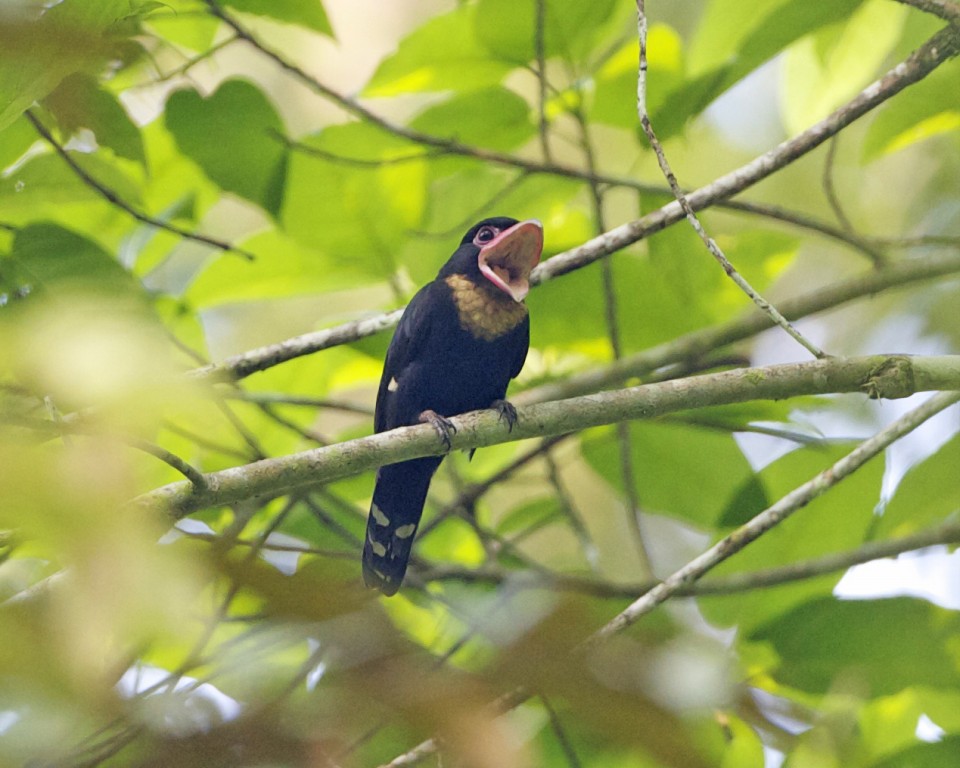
460	341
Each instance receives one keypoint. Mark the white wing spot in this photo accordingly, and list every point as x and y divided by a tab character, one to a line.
406	531
378	516
392	386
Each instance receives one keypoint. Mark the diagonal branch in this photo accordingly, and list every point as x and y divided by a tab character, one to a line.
878	376
934	52
114	199
714	249
774	515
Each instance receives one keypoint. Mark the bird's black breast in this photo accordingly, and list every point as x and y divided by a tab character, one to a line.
451	353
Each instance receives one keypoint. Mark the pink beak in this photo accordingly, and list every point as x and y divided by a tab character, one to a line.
507	260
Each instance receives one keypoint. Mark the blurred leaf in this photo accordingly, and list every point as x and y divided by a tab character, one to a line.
833	522
827	69
384	201
664	457
79	103
615	96
306	13
15	139
440	54
53	259
852	643
495	118
940	754
506	29
45	183
924	110
732	40
282	268
43	48
928	494
234	135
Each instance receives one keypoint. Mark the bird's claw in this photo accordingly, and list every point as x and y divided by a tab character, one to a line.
507	411
444	428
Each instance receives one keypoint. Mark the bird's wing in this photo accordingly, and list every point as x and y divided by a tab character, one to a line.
412	331
523	346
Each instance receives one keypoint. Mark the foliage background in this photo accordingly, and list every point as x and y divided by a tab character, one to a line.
187	181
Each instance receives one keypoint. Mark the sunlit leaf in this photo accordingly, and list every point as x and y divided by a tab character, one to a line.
246	155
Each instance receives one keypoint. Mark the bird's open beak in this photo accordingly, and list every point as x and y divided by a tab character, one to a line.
507	260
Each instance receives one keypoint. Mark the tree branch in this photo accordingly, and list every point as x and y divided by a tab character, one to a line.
114	199
711	245
693	346
948	533
878	376
774	515
938	49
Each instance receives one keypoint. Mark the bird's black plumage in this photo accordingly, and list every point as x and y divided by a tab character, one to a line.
460	341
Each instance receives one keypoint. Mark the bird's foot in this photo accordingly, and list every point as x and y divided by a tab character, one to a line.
507	411
444	428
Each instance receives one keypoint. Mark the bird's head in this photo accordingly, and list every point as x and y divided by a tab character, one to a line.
501	250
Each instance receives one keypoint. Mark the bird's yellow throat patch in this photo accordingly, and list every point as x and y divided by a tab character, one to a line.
485	312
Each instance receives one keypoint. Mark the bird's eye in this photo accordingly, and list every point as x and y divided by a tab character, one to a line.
485	235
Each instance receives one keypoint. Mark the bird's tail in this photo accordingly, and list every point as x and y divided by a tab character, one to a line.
395	512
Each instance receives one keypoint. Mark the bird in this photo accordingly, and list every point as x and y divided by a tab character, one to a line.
459	342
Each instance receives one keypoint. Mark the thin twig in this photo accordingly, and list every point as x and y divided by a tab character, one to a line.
114	199
194	475
709	242
539	43
828	186
935	51
735	584
624	441
695	345
777	513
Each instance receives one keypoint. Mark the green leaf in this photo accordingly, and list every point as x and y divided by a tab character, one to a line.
306	13
495	118
39	51
53	259
78	102
827	69
234	136
283	268
46	182
665	457
928	494
507	28
884	645
439	55
732	40
363	213
615	84
939	754
926	109
834	522
16	139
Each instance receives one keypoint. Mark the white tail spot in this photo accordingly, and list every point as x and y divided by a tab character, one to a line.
378	516
406	531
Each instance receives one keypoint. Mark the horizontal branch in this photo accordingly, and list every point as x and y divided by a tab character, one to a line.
695	345
878	376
